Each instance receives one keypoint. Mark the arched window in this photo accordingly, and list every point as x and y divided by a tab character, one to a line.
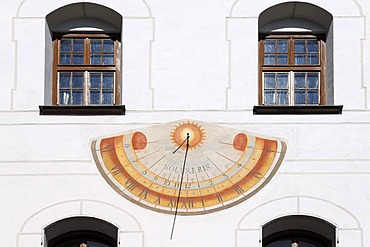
81	232
298	231
86	51
295	56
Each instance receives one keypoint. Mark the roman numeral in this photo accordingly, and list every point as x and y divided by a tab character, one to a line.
117	169
238	189
107	148
219	198
158	201
143	194
172	203
187	204
130	184
256	174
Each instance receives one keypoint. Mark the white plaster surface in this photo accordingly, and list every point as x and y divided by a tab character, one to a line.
181	59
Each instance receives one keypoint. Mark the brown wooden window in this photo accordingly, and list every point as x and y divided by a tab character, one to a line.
292	70
86	70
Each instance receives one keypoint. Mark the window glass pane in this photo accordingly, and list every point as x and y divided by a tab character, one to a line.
313	97
282	80
282	46
281	243
299	80
269	46
299	97
282	59
95	45
269	59
108	80
78	45
65	45
313	58
78	242
305	244
96	244
64	97
77	80
312	46
313	80
282	97
64	80
65	58
78	58
269	81
108	58
77	97
107	97
95	59
108	46
299	46
269	97
95	80
299	59
94	97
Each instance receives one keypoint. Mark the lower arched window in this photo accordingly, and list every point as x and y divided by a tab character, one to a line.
296	239
81	232
298	231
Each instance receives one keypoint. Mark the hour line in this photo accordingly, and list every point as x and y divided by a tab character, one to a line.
148	155
156	162
226	157
211	182
216	166
160	172
226	143
196	175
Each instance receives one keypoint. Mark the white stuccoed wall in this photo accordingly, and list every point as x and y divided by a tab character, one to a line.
181	59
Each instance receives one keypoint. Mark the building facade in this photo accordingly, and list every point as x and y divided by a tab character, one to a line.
148	123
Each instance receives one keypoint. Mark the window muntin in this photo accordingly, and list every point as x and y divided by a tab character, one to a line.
291	88
86	70
291	70
276	52
71	51
99	89
101	52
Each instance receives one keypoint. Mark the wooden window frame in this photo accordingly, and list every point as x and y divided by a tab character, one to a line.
291	67
86	67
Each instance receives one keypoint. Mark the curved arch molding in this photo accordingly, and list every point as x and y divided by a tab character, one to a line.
32	231
242	8
129	8
349	231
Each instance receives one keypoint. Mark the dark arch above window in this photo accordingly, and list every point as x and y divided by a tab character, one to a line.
84	16
78	230
299	228
297	16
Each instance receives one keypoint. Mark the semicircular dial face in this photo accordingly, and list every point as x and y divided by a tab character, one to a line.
224	166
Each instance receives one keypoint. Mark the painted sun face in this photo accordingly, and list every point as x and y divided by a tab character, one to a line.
195	132
224	166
